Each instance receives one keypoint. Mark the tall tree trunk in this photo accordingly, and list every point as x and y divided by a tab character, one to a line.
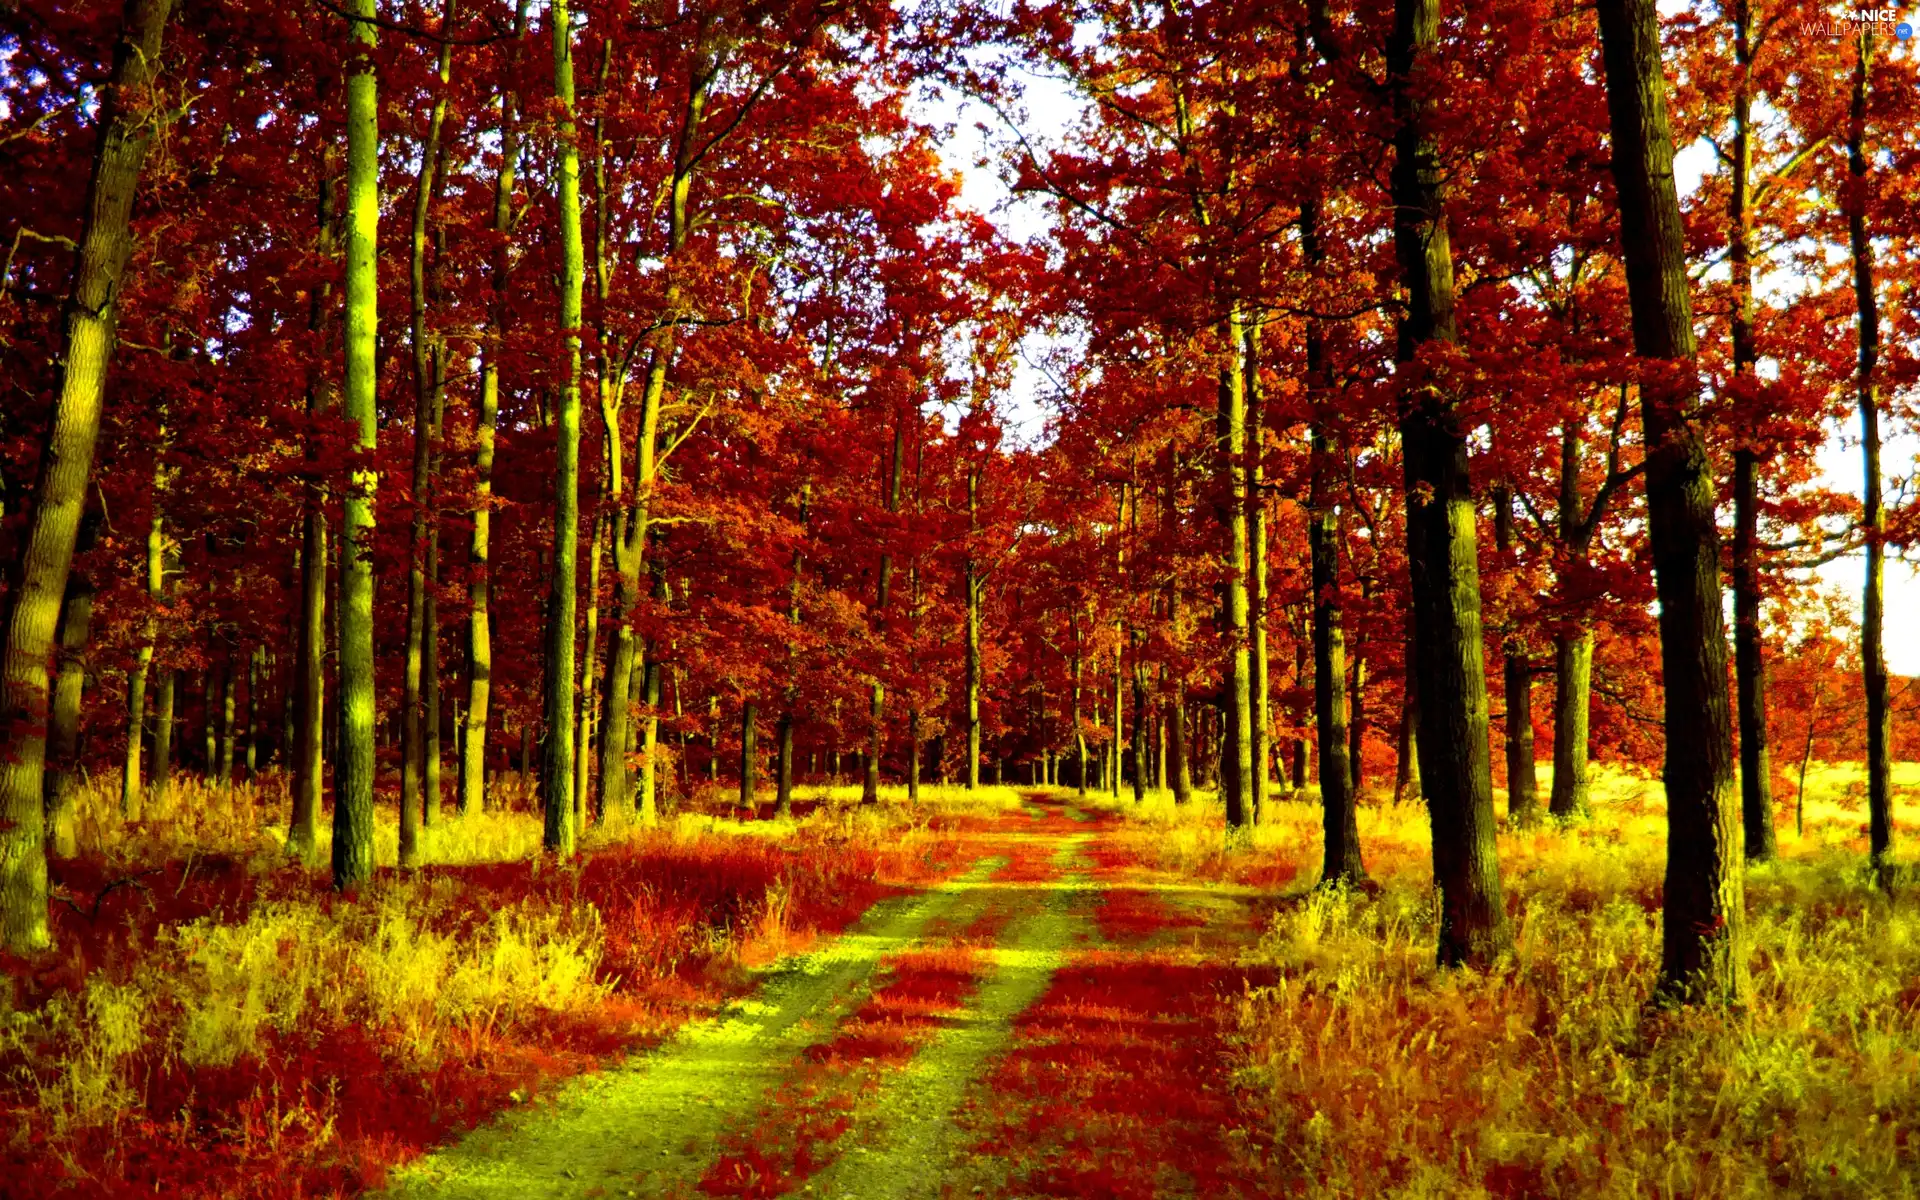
473	749
353	774
650	724
1572	650
130	786
413	699
227	714
1079	732
1260	732
1523	788
1873	515
128	117
1749	647
63	736
975	585
562	612
1704	920
1230	487
1340	818
1456	769
877	707
309	687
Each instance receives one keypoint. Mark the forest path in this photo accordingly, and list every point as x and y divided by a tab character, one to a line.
933	1049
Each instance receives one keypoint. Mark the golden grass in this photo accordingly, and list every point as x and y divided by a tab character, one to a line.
1552	1075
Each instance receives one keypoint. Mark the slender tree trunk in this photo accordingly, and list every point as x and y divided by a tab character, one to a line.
256	673
650	724
63	736
130	785
1873	515
227	714
1340	818
975	586
1406	766
1260	732
1704	920
353	773
1357	726
877	708
413	699
128	117
1230	486
562	612
1749	649
589	681
1523	789
309	685
473	747
310	626
1079	732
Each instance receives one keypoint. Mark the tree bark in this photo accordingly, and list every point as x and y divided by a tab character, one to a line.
1340	861
413	697
1230	486
353	775
1455	765
128	118
1260	715
63	737
1523	785
1704	954
473	748
1873	514
557	764
975	586
130	785
1572	649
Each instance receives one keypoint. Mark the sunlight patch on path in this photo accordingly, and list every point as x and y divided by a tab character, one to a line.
914	1141
653	1123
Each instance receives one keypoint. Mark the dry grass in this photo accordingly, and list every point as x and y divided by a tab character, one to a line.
1552	1075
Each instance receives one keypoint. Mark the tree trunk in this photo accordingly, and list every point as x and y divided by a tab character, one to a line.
63	736
1873	515
1704	954
1230	487
163	718
1749	650
1340	818
353	775
1572	696
1357	727
128	118
1406	765
473	748
1455	764
1260	715
870	784
413	699
1573	647
749	753
975	586
309	687
130	785
556	776
1523	789
256	673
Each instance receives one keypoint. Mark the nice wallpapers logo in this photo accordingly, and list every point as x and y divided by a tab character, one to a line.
1852	22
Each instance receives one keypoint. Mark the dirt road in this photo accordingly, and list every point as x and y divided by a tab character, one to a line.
1052	1022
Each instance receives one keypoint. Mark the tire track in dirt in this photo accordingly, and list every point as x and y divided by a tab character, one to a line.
653	1123
911	1145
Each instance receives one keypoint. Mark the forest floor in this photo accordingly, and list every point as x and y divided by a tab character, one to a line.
1016	992
1057	1015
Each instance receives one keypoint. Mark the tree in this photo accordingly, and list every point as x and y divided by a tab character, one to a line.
1703	953
129	117
354	765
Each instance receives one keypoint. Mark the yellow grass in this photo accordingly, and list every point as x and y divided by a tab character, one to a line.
1551	1075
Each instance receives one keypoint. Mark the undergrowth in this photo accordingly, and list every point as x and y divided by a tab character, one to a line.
1553	1074
212	1007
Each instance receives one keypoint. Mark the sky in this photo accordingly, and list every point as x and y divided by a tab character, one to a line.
1050	111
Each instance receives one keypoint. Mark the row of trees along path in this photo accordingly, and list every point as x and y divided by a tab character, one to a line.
622	388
